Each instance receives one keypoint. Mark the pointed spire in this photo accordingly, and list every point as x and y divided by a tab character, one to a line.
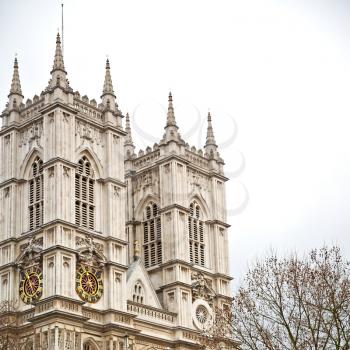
16	83
128	137
58	63
171	115
108	85
210	134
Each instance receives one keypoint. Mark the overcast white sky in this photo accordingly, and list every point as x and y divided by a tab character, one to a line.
275	75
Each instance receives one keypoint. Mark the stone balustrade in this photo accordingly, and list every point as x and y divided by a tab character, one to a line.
151	313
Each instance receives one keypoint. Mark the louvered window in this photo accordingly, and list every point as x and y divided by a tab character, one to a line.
84	195
152	236
196	235
36	195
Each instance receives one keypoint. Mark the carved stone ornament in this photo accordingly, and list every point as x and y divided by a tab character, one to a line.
89	252
201	288
31	134
30	253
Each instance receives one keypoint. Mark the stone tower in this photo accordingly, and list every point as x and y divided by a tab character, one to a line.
105	249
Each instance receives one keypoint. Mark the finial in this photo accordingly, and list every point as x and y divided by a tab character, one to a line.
210	133
128	137
136	249
16	83
108	85
171	115
58	63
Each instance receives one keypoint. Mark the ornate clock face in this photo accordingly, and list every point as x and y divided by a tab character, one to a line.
31	284
88	283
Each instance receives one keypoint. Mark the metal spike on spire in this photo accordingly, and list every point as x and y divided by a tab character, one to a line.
16	83
210	133
108	85
171	115
58	63
128	137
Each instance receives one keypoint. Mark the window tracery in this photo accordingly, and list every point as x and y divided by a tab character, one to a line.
196	235
36	195
84	195
152	236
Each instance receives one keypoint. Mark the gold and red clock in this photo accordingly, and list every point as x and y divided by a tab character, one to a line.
89	283
31	284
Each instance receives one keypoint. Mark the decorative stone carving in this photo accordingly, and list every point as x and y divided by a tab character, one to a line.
30	253
90	252
65	117
66	171
201	288
197	180
51	171
7	192
88	133
116	191
31	134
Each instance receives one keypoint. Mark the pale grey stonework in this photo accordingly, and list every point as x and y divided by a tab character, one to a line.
154	224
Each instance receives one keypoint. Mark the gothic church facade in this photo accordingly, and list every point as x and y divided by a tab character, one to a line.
103	248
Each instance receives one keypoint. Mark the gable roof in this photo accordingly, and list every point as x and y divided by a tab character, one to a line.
137	273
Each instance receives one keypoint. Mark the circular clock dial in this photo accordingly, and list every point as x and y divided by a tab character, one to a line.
31	284
89	285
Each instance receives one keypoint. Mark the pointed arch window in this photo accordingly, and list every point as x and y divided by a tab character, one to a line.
138	295
152	236
84	195
36	195
196	235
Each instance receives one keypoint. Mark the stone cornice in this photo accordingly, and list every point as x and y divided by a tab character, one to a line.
208	173
170	157
174	284
59	314
195	268
133	222
115	264
11	181
174	206
163	159
59	297
218	222
101	125
112	180
58	104
94	234
19	126
59	159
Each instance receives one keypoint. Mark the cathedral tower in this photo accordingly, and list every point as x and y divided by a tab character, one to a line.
103	248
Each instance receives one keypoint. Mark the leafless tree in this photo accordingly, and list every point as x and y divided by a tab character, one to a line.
289	304
11	334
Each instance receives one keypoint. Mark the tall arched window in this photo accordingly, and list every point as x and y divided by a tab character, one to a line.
196	235
152	236
36	195
84	195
